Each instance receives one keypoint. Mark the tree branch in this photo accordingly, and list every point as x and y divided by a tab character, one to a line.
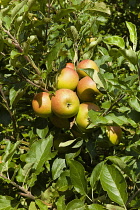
19	48
25	193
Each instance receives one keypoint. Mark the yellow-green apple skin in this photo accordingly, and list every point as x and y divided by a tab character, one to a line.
41	104
60	122
67	78
82	119
114	134
70	65
85	64
87	90
65	103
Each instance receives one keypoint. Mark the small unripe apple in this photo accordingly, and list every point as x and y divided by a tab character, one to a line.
82	118
65	103
41	104
87	90
70	65
114	134
85	64
60	122
67	78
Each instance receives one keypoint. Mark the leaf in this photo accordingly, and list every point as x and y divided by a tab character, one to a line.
77	177
61	203
57	167
17	8
115	40
95	175
114	207
40	152
96	207
42	132
134	103
133	34
74	33
5	202
100	7
75	204
114	183
32	206
130	55
62	182
41	205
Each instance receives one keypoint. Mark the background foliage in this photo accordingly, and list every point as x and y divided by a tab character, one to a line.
37	39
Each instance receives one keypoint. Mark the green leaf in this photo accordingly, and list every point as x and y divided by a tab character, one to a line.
42	132
77	177
17	8
95	175
32	206
41	205
74	33
75	204
57	167
100	7
115	40
5	202
114	183
40	152
130	55
114	207
61	203
62	182
96	207
133	34
134	103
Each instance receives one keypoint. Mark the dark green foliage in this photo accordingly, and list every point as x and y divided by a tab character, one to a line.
37	38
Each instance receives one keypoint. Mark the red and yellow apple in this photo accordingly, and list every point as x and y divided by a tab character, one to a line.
85	64
41	104
114	134
60	122
70	65
67	78
65	103
82	118
87	90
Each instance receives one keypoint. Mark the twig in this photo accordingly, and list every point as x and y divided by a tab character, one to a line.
133	196
111	106
25	193
19	48
32	83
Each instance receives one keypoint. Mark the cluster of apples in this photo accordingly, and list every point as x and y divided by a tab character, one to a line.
76	93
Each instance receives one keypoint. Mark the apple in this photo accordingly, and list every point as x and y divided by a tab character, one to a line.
85	64
87	90
65	103
70	65
82	119
59	122
67	79
41	104
114	134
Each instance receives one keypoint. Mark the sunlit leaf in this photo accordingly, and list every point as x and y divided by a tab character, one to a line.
114	183
115	40
133	33
75	204
57	167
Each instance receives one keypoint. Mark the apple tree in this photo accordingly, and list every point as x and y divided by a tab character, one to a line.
42	165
